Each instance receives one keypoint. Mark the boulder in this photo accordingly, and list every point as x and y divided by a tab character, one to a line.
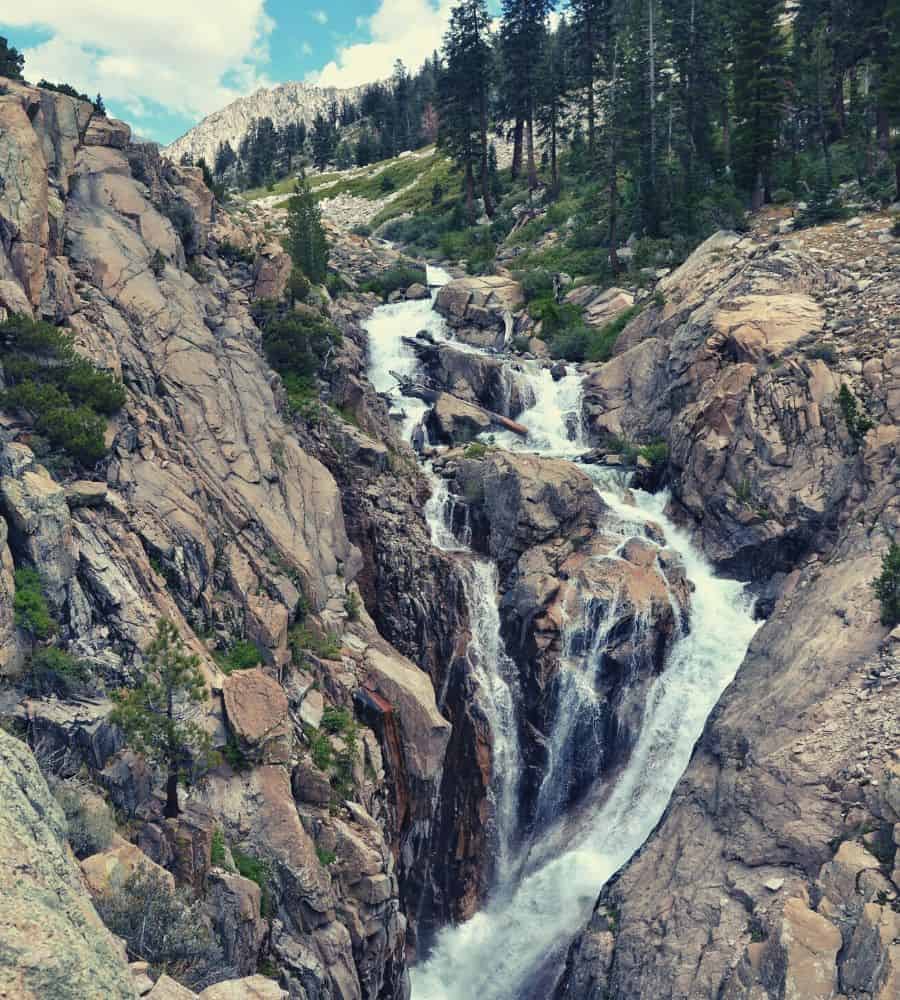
600	307
233	904
271	273
480	308
109	869
257	711
452	420
249	988
872	959
52	943
83	493
12	644
166	988
799	961
417	291
102	131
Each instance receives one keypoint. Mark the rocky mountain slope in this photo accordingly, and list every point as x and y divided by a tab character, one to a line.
285	103
774	870
360	758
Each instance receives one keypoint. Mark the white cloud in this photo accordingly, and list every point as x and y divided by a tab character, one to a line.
191	58
306	48
319	16
400	29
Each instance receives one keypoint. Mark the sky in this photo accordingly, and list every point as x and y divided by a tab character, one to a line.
164	64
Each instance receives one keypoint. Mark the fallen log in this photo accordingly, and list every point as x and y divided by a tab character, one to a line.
425	390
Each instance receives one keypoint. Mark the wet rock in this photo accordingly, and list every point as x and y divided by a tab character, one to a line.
452	420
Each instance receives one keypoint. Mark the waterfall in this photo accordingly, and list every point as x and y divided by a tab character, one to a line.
541	900
492	955
491	670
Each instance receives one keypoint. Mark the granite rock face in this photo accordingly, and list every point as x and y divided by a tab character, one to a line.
53	942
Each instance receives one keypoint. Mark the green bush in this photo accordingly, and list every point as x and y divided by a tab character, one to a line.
297	346
301	637
217	853
90	821
65	394
336	721
55	671
325	857
243	655
536	283
258	871
401	276
857	420
887	586
30	607
166	929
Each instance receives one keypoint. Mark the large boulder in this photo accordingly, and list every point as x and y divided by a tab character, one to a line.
52	943
109	869
452	420
480	308
233	904
257	711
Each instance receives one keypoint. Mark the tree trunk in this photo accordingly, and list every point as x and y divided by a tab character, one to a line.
529	146
554	166
518	131
726	132
485	173
470	192
883	131
171	811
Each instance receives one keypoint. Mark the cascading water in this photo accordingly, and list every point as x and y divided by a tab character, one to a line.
539	903
492	955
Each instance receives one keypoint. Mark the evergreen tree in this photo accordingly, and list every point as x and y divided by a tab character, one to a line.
552	94
464	93
157	716
759	77
324	141
306	241
12	62
889	82
522	38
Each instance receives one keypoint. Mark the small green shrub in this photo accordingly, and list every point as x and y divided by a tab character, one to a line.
30	607
887	586
352	605
217	853
166	929
258	871
66	396
304	638
476	450
321	750
55	671
236	255
336	721
857	420
243	655
298	285
325	857
158	264
401	276
237	758
90	821
656	453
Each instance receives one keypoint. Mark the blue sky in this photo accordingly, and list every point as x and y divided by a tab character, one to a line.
164	64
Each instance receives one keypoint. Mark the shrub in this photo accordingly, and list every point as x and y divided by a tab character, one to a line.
400	276
236	255
242	655
352	605
217	853
30	605
887	586
656	453
166	929
325	857
336	721
55	671
302	637
90	820
65	394
258	871
476	450
298	286
823	206
537	283
857	420
782	196
298	345
822	352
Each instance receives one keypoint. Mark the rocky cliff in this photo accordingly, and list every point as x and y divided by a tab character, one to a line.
773	872
285	104
211	510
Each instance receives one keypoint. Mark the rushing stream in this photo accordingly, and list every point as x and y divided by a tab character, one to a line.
542	897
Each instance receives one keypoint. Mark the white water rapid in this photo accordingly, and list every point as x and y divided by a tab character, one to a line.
538	904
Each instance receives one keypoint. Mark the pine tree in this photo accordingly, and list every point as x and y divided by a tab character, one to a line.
306	241
12	62
552	95
464	93
889	81
522	37
157	715
590	25
759	76
324	141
